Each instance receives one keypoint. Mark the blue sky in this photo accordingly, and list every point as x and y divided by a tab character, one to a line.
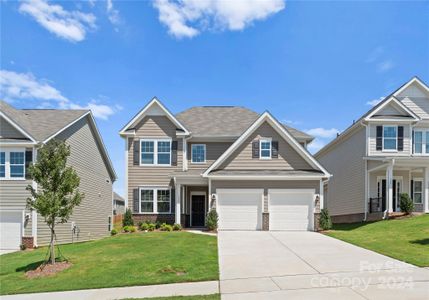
314	65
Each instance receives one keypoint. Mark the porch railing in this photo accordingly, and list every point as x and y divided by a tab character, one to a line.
375	204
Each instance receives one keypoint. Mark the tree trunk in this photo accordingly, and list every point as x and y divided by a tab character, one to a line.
52	258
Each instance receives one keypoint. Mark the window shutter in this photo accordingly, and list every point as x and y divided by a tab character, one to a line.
136	201
136	153
274	149
173	200
174	153
28	161
412	190
379	142
400	138
255	149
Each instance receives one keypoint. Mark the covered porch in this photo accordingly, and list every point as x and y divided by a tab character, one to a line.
386	179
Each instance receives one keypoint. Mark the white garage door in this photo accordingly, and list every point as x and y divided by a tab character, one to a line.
10	230
291	209
240	209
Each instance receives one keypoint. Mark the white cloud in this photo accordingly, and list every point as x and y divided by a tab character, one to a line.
385	66
187	18
112	13
322	132
25	86
375	54
69	25
316	145
375	101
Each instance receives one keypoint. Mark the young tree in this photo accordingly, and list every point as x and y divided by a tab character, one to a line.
57	187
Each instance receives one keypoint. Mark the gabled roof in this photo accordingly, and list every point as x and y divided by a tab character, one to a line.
414	80
154	107
267	117
391	101
116	196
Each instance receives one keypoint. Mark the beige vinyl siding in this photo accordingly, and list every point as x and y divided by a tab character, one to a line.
389	110
416	100
153	127
346	189
288	159
93	214
7	130
213	151
372	140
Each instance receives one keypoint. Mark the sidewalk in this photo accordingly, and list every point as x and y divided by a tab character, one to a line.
162	290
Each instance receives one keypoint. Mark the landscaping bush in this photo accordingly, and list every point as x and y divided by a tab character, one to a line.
158	224
406	204
212	219
23	247
150	227
325	222
139	224
144	226
166	227
113	232
128	218
126	228
177	227
133	229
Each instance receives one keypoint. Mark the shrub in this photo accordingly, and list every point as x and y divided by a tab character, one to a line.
212	219
139	224
177	227
113	232
325	222
126	228
144	226
128	218
158	224
133	229
22	246
166	227
406	204
151	227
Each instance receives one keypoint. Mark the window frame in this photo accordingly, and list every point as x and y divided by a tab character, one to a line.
425	141
154	200
4	165
414	190
7	163
265	140
155	151
391	138
192	154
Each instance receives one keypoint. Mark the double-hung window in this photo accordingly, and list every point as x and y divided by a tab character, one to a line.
390	138
421	141
265	148
155	152
155	200
198	153
12	164
418	191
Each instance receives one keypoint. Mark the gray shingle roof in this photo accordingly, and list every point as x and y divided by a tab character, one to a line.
116	196
227	121
267	172
41	123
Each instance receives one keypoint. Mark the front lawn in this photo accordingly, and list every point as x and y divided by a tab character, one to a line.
404	239
123	260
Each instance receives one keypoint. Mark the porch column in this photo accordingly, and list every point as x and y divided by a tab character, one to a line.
426	189
389	181
178	202
321	194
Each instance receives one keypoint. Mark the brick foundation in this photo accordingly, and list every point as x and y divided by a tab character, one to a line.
28	241
265	221
162	218
351	218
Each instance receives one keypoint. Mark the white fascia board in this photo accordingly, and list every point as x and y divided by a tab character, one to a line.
17	127
12	144
391	120
385	103
67	126
266	116
266	177
413	80
144	110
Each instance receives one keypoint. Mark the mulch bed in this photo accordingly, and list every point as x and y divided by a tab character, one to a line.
48	269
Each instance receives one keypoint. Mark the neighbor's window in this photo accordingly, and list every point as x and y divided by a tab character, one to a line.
2	164
390	137
418	191
12	164
265	149
198	153
148	203
155	152
421	142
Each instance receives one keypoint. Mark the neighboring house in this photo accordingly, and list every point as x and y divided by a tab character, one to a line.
383	154
20	133
118	204
254	170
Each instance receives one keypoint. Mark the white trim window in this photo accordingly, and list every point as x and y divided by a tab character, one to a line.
418	191
390	138
421	141
265	148
148	205
155	152
198	153
12	164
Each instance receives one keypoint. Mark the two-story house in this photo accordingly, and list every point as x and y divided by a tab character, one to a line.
255	171
21	133
383	154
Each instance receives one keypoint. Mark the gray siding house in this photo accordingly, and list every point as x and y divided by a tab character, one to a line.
20	133
255	171
383	154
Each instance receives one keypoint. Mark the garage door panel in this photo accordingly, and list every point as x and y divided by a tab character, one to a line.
10	230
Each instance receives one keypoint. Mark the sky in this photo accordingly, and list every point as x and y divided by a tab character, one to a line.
315	65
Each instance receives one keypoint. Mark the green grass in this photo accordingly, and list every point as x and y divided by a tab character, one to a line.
199	297
123	260
404	239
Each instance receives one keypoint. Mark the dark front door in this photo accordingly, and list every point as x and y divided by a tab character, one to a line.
198	210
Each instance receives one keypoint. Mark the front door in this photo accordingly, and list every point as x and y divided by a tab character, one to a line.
198	209
383	190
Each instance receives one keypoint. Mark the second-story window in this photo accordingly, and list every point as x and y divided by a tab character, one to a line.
265	148
198	153
2	164
390	137
155	152
421	142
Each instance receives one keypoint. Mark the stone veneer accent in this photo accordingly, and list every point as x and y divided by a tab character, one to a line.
316	221
28	241
265	221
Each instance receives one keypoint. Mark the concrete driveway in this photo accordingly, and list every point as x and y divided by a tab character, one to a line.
308	265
